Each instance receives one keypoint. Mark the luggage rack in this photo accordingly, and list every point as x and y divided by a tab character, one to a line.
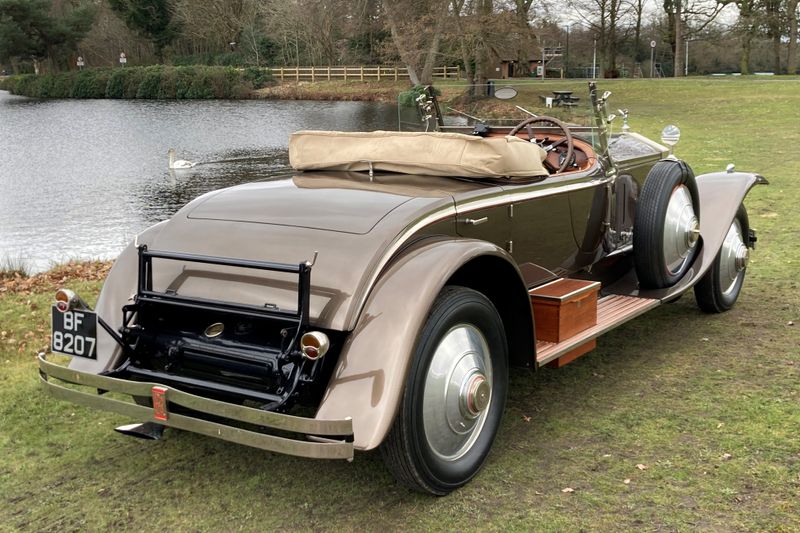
145	292
283	360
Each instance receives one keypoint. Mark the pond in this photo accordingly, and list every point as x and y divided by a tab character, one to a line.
80	178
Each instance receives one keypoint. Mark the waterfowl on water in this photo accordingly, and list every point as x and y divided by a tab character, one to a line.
178	163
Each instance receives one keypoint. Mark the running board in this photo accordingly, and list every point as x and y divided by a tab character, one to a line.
611	312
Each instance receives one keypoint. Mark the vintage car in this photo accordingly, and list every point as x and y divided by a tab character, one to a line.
380	294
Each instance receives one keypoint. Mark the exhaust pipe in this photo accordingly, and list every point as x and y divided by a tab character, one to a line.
146	430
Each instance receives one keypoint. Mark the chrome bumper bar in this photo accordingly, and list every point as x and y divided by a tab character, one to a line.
336	435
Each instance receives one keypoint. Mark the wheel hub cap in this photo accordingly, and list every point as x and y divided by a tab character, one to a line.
458	392
733	258
475	394
681	229
742	257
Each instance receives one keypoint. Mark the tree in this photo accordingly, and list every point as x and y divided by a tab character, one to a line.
774	25
416	27
605	18
747	27
150	18
29	32
791	54
685	20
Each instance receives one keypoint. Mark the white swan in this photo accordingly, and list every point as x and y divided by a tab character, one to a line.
178	164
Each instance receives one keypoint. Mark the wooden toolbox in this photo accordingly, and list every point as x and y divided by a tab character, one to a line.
564	308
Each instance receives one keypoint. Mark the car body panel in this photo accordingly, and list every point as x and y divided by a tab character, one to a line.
369	377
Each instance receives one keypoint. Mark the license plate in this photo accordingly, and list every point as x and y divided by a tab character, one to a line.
74	333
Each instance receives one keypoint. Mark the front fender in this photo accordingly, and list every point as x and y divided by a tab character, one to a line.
720	194
369	378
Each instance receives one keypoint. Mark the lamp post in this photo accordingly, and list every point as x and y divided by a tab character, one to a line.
566	54
686	61
652	58
594	59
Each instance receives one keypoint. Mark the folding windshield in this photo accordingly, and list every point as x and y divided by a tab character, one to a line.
463	107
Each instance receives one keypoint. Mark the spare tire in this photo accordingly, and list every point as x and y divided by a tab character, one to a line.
666	227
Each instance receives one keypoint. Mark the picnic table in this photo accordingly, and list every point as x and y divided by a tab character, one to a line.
564	98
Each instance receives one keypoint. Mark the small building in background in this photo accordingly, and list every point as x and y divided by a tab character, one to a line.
509	65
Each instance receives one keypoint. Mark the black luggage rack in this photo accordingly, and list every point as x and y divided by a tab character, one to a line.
293	324
145	290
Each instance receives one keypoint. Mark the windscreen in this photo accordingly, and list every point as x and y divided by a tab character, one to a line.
460	106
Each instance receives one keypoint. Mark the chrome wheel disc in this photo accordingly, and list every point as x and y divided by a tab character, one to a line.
681	230
733	258
458	392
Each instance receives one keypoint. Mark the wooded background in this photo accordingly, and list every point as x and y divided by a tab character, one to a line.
722	35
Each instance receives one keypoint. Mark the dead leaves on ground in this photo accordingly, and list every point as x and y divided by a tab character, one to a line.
17	283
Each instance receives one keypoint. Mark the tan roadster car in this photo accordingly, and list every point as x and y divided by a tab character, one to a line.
380	294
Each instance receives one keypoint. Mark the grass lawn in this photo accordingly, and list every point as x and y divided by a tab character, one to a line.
678	421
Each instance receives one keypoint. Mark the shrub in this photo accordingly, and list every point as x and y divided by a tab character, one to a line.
150	83
133	78
90	84
157	81
24	84
62	85
183	81
257	77
115	88
225	83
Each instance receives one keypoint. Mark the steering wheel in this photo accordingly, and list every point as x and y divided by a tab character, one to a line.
564	159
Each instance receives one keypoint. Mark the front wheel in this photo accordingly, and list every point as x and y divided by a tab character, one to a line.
454	397
719	288
666	225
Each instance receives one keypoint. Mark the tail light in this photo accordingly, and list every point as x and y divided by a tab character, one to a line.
314	345
65	300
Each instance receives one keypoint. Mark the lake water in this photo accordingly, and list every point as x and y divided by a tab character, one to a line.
80	178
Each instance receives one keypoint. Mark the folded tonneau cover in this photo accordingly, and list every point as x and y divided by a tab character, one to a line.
434	153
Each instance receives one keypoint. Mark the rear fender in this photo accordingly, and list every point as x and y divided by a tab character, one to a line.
370	375
720	195
118	290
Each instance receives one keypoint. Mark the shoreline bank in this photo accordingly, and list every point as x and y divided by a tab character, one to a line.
160	82
16	281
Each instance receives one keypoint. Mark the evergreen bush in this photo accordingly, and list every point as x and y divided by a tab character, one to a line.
152	82
90	84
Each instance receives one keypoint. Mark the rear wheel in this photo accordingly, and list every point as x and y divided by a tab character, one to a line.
454	396
719	288
666	226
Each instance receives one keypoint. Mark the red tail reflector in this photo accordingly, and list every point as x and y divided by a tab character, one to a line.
159	395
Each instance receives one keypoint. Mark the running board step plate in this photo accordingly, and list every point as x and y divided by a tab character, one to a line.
612	311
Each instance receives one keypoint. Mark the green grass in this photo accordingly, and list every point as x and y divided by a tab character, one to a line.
710	405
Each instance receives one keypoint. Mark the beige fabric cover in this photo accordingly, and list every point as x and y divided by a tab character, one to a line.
436	154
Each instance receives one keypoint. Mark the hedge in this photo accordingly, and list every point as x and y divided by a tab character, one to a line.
153	82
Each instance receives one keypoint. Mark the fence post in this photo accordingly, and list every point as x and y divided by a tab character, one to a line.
297	73
329	73
362	72
379	73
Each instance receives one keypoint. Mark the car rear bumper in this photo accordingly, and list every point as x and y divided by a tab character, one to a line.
334	438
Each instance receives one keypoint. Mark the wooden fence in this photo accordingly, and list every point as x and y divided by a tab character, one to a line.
361	73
